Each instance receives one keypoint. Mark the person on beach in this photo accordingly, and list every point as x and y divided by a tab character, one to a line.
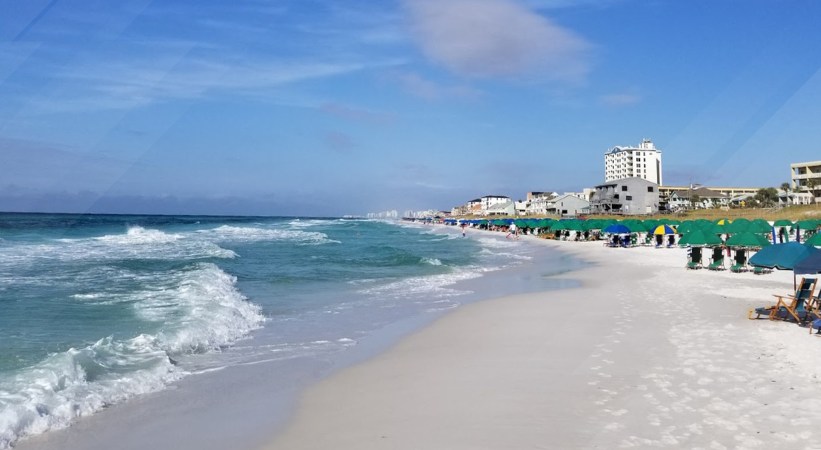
464	225
781	233
511	231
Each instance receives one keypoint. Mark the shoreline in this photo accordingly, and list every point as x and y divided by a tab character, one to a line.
643	354
238	406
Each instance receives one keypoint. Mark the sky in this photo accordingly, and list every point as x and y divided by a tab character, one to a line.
325	108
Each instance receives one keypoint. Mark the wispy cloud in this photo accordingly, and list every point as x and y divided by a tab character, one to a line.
617	100
339	142
419	86
138	82
356	114
491	38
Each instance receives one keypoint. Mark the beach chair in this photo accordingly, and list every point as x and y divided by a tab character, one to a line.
717	260
695	258
740	262
761	270
790	307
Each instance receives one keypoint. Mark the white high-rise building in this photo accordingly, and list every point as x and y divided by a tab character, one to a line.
643	161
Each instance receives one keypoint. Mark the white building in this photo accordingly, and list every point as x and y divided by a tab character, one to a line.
537	202
643	162
698	198
481	206
806	177
569	205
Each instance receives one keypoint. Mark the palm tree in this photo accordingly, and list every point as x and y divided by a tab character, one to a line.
786	188
810	186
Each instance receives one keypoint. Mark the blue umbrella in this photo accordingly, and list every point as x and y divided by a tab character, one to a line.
617	228
782	256
810	264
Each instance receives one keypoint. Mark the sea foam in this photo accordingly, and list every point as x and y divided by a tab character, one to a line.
204	312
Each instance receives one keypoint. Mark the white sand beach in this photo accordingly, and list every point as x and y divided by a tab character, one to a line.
645	354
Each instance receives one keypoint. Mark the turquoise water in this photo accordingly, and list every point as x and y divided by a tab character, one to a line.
97	309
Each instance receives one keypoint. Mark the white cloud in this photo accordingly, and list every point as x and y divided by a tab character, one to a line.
496	38
620	99
137	82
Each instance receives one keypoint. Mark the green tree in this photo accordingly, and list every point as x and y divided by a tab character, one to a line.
786	188
767	197
810	186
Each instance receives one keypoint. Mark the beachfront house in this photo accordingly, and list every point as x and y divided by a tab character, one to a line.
568	205
507	208
628	196
520	207
697	198
537	203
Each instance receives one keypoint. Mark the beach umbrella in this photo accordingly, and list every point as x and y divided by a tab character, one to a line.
664	229
686	226
738	226
815	240
782	256
723	222
759	226
698	238
747	239
807	224
617	228
575	225
783	223
635	226
651	224
810	264
560	225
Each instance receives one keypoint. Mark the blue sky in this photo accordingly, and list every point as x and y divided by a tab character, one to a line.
341	107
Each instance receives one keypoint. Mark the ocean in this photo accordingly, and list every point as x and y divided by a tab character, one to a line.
96	310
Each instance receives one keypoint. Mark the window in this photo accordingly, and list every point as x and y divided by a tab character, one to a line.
624	188
629	197
649	188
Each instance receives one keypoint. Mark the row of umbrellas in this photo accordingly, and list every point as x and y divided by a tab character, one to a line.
721	226
700	232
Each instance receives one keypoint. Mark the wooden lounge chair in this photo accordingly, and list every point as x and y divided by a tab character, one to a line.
790	307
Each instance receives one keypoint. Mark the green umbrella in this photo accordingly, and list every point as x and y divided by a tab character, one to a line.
699	238
759	226
686	226
783	223
747	239
711	228
807	224
815	240
738	226
593	224
635	225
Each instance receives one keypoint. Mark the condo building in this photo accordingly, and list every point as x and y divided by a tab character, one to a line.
643	162
806	177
